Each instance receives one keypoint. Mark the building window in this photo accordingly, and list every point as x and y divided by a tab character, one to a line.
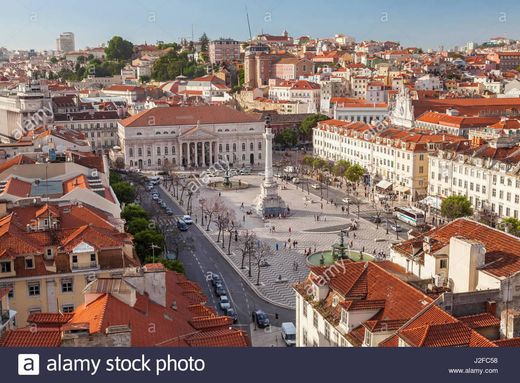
327	331
305	309
33	288
131	152
10	286
251	147
443	264
67	309
66	285
29	263
304	337
158	150
315	319
5	267
243	146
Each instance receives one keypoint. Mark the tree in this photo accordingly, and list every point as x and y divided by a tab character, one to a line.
172	265
124	191
204	42
144	240
260	254
340	167
511	225
287	138
133	211
211	208
310	123
119	49
456	206
138	224
247	245
354	173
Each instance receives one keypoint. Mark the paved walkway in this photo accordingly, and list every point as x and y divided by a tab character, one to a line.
289	262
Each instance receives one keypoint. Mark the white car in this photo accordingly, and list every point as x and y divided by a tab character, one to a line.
316	186
224	302
346	200
187	219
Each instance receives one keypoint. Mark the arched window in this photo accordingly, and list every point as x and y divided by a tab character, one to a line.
139	152
234	148
243	146
227	147
251	147
173	150
131	152
259	145
165	150
149	162
159	161
131	163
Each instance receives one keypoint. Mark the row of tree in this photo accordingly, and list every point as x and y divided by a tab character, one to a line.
352	173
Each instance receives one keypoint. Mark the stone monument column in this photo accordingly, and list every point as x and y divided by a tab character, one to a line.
268	138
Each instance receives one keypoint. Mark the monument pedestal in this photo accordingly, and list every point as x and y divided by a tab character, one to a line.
269	203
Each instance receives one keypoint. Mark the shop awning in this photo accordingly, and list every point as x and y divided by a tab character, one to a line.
433	202
401	189
384	185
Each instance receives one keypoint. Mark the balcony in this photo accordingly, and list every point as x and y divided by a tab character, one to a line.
93	265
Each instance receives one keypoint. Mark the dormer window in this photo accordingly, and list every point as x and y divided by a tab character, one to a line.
29	263
368	338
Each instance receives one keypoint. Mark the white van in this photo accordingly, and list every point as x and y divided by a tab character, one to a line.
289	333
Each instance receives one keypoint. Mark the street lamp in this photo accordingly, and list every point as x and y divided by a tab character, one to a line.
153	247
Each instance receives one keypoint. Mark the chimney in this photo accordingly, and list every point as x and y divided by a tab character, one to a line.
3	209
466	257
510	324
155	282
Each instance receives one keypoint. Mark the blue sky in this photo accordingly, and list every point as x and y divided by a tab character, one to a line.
36	24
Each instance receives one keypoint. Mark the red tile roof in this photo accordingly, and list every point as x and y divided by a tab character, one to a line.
32	337
480	320
190	115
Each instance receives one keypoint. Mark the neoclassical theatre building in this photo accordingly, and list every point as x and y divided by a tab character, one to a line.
192	136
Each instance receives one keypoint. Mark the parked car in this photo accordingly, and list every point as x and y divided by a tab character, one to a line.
163	205
187	219
215	279
230	312
395	227
245	171
181	225
375	219
346	200
289	333
149	187
224	302
296	180
169	211
316	186
155	197
261	319
220	290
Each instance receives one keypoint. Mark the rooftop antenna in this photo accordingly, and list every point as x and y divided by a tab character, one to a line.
192	34
249	25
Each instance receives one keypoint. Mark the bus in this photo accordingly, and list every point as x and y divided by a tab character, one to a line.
409	215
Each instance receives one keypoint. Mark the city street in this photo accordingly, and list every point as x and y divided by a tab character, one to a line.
205	259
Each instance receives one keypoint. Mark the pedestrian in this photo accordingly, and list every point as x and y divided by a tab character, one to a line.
289	230
270	229
277	247
244	218
314	248
274	229
285	245
219	194
354	235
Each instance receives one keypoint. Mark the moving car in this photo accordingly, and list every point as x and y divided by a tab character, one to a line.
346	200
296	180
155	197
316	186
181	225
187	219
289	333
169	211
261	319
395	227
224	302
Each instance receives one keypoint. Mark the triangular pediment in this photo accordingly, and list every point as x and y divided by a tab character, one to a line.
197	133
83	247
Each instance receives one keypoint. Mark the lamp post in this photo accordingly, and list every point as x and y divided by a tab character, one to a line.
153	247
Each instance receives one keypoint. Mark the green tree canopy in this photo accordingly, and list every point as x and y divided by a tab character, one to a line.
204	42
354	173
119	49
138	224
144	240
133	211
456	206
310	123
125	192
173	64
287	138
340	167
511	225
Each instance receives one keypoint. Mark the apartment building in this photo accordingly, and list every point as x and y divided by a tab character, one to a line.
224	50
397	156
505	60
358	304
118	311
487	174
299	91
351	109
50	252
292	68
